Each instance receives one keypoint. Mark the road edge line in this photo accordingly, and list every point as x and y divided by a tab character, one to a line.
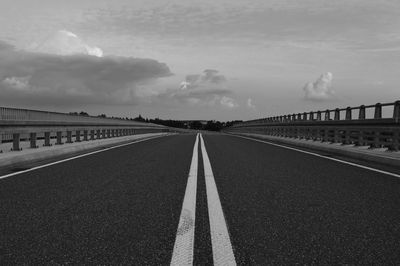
321	156
78	156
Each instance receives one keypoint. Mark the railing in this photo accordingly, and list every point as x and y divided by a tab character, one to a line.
15	115
20	124
362	125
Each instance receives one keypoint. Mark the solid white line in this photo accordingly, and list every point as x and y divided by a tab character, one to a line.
184	242
75	157
321	156
221	244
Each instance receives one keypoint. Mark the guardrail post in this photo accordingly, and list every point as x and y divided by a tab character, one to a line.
85	135
78	136
327	115
378	111
337	114
336	136
103	134
396	111
108	133
325	135
396	141
319	116
376	144
113	133
33	138
92	134
47	139
16	140
377	115
98	134
361	114
346	140
69	137
348	113
360	139
311	116
59	138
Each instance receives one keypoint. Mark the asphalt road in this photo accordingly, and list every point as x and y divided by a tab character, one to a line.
123	206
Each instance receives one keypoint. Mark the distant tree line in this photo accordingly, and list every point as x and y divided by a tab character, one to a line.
211	125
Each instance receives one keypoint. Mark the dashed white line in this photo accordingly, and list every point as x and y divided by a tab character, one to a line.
321	156
76	157
221	244
184	242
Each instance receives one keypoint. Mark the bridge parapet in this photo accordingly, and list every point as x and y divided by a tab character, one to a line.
17	125
375	125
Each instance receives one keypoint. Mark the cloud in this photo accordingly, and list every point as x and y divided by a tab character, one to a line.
228	102
32	78
250	104
209	78
206	89
321	89
66	43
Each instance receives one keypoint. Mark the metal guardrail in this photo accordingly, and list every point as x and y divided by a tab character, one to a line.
23	124
349	125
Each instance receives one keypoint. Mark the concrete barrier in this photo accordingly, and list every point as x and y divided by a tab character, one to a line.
30	157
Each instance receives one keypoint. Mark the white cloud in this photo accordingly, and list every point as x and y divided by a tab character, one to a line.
67	43
250	104
184	85
321	89
19	83
228	102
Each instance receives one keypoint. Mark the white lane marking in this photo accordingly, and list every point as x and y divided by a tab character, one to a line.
221	244
321	156
76	157
184	242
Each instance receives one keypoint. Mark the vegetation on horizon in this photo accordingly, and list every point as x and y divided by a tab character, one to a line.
210	125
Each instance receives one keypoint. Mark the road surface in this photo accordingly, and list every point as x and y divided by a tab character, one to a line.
186	199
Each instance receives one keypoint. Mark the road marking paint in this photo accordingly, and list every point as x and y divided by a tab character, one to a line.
76	157
321	156
184	242
221	244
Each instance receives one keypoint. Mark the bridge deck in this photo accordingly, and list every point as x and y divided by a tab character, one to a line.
123	206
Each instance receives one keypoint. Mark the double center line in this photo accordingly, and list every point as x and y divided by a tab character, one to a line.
220	241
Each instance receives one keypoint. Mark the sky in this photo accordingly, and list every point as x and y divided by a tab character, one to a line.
208	59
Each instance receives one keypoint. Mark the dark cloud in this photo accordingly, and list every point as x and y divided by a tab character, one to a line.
5	46
209	77
192	78
73	79
212	76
